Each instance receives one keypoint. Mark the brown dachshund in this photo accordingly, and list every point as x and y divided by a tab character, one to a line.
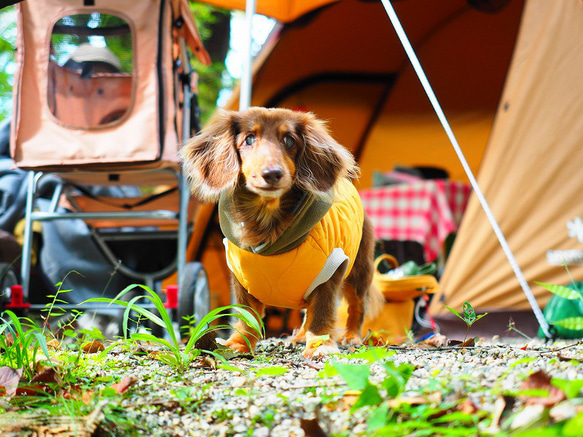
296	233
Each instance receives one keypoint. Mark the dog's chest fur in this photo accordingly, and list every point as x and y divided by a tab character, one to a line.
263	220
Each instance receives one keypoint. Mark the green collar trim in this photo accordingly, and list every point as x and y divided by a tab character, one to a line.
307	213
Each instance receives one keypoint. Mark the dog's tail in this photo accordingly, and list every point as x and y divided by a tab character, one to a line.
375	301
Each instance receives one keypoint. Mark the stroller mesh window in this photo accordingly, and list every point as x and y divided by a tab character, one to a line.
90	70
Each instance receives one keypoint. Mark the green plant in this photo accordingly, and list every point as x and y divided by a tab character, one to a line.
174	355
468	316
512	327
20	342
571	323
376	396
53	310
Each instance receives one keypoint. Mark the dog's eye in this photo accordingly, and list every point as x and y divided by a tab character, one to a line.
250	140
289	141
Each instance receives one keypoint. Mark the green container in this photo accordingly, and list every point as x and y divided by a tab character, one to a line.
560	308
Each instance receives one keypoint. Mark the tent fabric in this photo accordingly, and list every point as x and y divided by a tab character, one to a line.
356	76
531	173
282	10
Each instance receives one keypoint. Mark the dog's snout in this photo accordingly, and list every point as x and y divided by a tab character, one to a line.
272	175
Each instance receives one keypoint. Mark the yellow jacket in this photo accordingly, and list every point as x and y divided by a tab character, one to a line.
287	279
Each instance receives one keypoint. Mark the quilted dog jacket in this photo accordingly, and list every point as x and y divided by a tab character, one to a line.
287	279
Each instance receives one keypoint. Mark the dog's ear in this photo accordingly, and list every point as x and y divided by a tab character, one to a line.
210	160
322	160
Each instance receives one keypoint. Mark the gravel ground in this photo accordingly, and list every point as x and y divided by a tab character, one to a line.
224	402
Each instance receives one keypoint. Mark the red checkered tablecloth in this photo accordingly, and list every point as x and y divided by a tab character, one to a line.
424	211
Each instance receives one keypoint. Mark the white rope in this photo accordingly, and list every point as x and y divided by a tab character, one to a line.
440	114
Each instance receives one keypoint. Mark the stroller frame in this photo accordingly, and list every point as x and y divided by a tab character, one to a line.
192	291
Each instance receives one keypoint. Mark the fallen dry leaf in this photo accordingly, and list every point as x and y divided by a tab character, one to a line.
92	347
436	340
124	384
375	339
54	344
209	361
502	410
8	339
312	428
9	379
470	342
531	416
313	364
467	406
77	393
207	342
46	376
541	380
345	403
432	398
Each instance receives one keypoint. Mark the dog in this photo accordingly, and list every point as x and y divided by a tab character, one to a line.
296	233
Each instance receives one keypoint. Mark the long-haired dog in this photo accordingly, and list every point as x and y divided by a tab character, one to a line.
296	233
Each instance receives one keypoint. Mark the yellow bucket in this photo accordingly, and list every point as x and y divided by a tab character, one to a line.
390	326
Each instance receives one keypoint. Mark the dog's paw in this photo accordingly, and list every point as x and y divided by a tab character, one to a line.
238	344
351	338
318	347
323	350
298	336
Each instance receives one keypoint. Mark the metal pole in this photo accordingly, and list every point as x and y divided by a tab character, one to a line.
246	71
442	118
26	261
184	198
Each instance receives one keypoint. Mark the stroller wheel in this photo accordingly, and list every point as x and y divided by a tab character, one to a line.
7	279
193	295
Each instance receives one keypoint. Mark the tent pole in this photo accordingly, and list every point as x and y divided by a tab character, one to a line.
442	118
246	72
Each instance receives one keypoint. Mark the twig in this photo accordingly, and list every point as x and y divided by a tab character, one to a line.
577	343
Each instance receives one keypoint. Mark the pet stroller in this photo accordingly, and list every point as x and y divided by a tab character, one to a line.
103	96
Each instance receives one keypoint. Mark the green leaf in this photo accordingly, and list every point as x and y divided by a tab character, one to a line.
141	336
396	378
574	426
561	290
469	313
109	392
533	393
328	371
271	371
378	417
369	396
572	389
573	323
457	417
230	368
242	314
69	333
477	318
371	355
454	312
355	375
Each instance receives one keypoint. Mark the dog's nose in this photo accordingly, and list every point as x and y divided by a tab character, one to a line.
272	175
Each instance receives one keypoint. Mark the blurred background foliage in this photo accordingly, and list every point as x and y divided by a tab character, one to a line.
214	27
7	44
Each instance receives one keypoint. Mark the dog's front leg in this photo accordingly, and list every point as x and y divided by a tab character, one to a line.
244	338
320	321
